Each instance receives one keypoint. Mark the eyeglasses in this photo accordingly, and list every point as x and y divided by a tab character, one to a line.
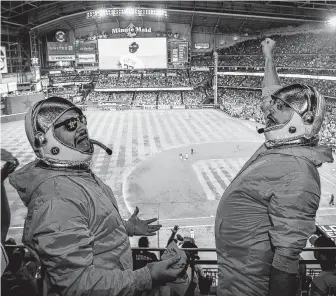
72	123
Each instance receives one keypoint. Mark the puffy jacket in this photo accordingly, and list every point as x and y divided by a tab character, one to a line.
265	217
74	228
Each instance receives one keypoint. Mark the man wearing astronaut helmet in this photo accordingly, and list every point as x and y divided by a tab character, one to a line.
267	213
57	132
73	225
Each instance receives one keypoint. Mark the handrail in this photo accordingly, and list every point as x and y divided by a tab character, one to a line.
198	262
189	249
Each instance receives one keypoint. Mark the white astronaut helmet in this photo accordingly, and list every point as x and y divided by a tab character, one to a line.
40	130
39	124
305	122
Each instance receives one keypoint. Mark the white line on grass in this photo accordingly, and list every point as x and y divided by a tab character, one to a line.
327	179
180	219
189	226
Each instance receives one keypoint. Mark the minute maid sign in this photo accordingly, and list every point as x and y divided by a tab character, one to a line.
131	30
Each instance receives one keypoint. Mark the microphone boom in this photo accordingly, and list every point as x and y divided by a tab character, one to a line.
101	145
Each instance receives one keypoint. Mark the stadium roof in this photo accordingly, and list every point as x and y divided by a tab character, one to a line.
43	17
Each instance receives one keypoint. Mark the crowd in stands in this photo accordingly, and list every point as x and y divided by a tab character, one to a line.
154	80
304	51
239	81
149	80
107	81
326	87
67	93
327	61
177	79
125	98
98	96
131	80
193	97
309	43
145	98
328	133
197	77
244	104
169	98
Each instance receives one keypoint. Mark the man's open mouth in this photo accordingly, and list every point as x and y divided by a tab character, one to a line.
81	138
270	121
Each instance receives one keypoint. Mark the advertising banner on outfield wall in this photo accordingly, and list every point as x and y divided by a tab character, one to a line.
56	48
86	48
56	58
179	107
86	58
202	68
149	106
202	45
3	60
163	106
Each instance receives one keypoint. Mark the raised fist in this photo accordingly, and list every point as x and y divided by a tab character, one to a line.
267	47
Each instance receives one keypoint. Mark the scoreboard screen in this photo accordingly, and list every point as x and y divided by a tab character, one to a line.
179	51
132	53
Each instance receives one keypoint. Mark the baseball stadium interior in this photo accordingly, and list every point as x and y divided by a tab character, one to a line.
173	89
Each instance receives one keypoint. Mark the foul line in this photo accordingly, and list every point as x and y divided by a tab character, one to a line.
327	179
180	219
189	226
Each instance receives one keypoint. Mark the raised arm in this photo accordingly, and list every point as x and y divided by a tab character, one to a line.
271	82
271	76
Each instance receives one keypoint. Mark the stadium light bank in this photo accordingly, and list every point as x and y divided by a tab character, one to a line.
128	11
331	22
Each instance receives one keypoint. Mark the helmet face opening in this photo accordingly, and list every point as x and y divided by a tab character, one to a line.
277	113
64	150
294	113
71	131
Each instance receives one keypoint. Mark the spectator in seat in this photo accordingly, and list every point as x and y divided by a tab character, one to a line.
73	225
266	215
325	283
142	257
9	167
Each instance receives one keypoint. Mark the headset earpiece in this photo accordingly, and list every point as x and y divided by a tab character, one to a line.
308	118
40	140
39	137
